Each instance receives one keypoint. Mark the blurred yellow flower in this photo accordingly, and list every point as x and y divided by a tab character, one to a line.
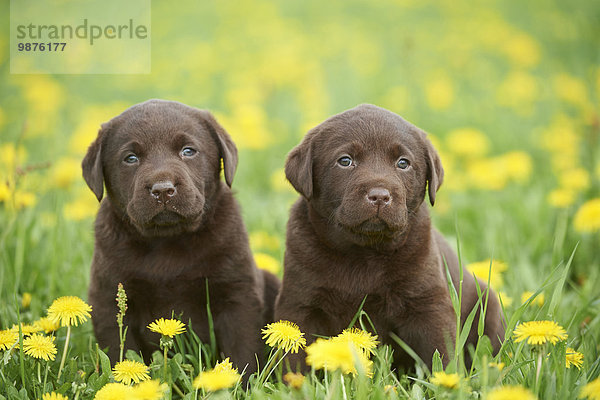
294	379
65	171
268	263
487	174
128	371
522	49
43	93
562	139
539	332
167	327
362	340
587	218
575	179
21	199
561	198
150	390
54	396
539	300
591	390
439	92
92	117
115	391
262	240
468	142
11	156
247	125
8	338
506	299
498	365
481	269
4	192
342	355
511	393
26	300
441	378
519	90
518	165
284	335
279	182
223	376
40	346
573	358
84	205
47	325
69	311
571	89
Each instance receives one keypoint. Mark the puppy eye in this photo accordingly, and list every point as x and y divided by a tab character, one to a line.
345	161
131	159
403	163
188	152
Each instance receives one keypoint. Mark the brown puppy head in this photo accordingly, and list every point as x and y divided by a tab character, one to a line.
365	171
160	162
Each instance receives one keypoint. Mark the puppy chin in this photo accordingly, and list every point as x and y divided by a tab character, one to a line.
168	226
373	232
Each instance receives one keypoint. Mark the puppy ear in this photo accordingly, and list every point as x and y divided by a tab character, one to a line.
298	167
227	149
435	171
92	165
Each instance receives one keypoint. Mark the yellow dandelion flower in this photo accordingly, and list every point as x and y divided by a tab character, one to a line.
363	340
26	300
499	366
571	89
150	390
167	327
487	174
268	263
481	269
65	172
334	355
264	240
47	325
576	179
469	142
587	218
591	390
54	396
8	338
539	332
506	299
294	379
441	378
128	371
284	335
518	165
222	376
573	358
114	391
539	300
27	329
279	183
40	346
69	311
511	393
522	49
439	92
561	198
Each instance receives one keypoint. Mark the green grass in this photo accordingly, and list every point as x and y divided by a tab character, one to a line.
272	70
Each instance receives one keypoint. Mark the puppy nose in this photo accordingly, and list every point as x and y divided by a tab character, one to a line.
163	191
379	196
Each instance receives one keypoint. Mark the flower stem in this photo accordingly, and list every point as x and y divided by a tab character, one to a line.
165	362
64	355
539	369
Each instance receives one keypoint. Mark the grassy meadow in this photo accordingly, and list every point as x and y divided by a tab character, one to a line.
509	92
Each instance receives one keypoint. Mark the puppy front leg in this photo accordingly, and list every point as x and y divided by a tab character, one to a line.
237	329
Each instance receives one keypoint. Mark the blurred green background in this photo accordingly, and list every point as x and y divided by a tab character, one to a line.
508	90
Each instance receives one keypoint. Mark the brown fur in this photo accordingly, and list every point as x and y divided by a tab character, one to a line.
348	238
164	246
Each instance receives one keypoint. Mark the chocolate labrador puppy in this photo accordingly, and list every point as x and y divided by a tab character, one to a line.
169	228
362	230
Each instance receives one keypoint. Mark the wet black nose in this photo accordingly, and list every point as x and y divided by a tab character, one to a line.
163	191
379	197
